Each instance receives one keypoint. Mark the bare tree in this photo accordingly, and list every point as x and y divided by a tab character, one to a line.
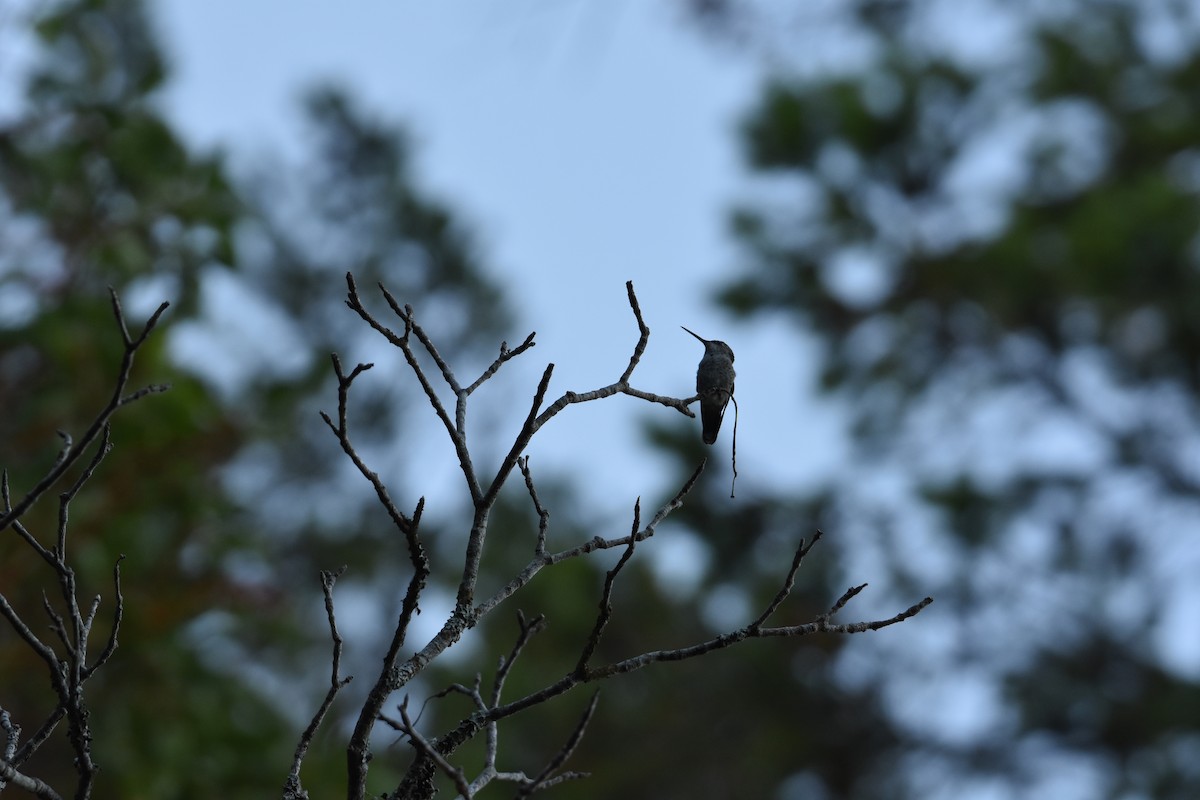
68	662
70	666
433	753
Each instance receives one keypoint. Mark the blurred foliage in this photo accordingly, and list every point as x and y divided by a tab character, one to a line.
942	291
995	239
209	490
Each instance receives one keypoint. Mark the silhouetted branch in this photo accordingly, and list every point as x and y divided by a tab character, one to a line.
610	579
789	581
505	355
432	754
71	450
455	773
546	778
41	735
543	559
539	549
293	788
10	775
583	674
69	669
457	428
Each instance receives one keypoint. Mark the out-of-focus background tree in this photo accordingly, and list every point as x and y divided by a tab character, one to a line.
985	214
228	495
993	230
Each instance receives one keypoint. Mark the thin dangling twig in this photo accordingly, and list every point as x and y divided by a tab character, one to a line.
733	484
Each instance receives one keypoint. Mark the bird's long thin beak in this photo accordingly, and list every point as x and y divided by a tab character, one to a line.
698	336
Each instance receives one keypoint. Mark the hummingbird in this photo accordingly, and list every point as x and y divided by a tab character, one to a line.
714	384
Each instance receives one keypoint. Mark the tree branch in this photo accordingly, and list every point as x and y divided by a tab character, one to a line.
542	560
73	451
293	788
583	674
432	755
456	429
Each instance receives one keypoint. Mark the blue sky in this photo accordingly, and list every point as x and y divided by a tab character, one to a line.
587	144
591	143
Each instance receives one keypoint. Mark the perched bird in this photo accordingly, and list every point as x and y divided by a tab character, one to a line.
714	384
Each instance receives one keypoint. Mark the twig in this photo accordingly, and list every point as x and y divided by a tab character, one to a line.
610	579
789	581
643	334
72	451
546	777
505	355
454	773
69	672
752	631
34	786
22	531
490	772
841	601
733	446
110	647
39	737
527	631
293	789
598	543
539	548
432	755
390	676
455	428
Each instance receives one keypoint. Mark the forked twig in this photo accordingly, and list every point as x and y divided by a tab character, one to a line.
73	450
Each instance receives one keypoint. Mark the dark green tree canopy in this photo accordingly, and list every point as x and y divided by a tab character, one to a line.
992	229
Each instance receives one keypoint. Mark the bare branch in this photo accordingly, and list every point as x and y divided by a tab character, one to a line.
841	601
293	787
610	579
505	355
539	548
622	384
752	631
489	772
342	432
643	337
454	773
528	429
406	314
390	676
39	737
24	533
9	774
66	497
72	451
749	632
457	428
153	388
133	344
789	581
546	777
111	646
57	625
69	670
432	755
37	645
527	631
12	735
540	561
483	506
